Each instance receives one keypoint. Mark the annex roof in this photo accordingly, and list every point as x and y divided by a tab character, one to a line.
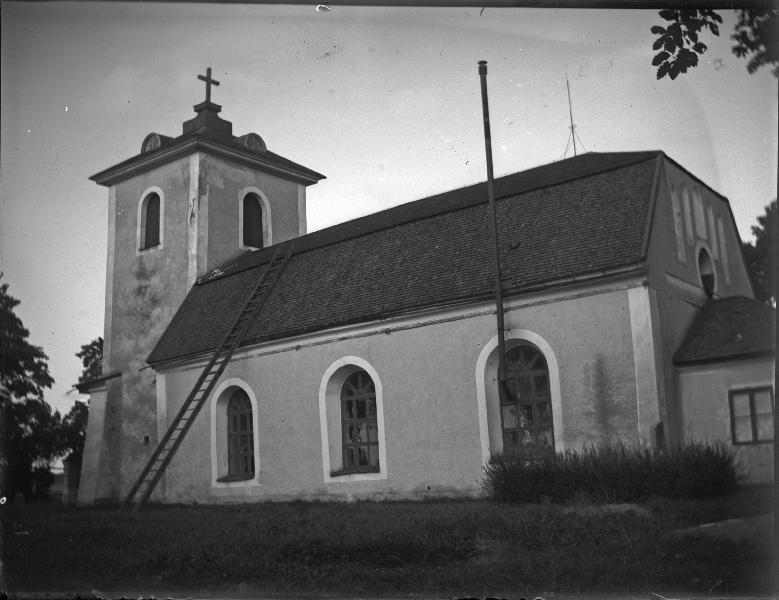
577	217
729	329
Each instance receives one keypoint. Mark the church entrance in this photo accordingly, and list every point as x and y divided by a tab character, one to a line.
526	405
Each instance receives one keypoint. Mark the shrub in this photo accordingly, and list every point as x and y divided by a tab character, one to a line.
614	472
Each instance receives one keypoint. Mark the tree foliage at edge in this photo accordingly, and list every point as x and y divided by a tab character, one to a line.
679	46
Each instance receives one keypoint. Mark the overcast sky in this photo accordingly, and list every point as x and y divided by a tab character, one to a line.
383	101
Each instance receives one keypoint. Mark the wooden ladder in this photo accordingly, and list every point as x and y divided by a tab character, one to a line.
197	398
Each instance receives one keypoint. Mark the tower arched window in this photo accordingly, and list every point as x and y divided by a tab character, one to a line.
240	437
150	221
252	221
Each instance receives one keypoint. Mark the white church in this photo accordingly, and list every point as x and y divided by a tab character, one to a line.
371	369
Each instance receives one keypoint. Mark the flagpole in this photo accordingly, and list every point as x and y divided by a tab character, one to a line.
494	228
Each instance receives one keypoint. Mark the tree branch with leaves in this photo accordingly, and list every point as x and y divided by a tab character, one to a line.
679	46
91	356
760	256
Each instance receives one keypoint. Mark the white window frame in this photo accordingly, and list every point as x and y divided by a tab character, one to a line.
140	226
749	389
219	462
330	420
486	354
267	230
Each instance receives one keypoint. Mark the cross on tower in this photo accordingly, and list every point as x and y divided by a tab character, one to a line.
208	81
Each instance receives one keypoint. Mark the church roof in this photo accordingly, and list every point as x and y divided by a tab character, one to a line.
207	132
729	329
576	218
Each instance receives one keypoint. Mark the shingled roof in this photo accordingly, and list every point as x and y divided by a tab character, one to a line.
208	132
580	216
729	329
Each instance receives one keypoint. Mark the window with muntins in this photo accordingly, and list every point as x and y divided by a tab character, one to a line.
359	425
526	405
240	437
752	415
252	221
150	221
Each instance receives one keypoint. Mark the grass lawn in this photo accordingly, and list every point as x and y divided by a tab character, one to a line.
440	548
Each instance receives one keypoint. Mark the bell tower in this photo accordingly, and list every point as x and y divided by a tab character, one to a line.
177	210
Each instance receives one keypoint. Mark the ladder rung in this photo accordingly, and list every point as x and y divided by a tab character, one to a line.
196	399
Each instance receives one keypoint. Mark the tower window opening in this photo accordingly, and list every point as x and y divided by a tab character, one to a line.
706	272
252	221
150	221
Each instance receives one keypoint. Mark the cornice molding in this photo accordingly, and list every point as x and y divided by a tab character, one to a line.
167	154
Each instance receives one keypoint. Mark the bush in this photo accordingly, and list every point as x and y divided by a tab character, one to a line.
614	472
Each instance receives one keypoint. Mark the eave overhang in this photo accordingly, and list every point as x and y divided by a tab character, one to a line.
743	356
145	162
513	291
85	387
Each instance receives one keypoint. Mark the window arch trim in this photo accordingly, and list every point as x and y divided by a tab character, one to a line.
330	402
267	230
140	229
219	402
532	338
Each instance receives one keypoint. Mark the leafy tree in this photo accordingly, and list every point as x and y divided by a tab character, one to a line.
33	443
24	370
760	256
679	45
31	433
73	430
74	424
757	33
91	356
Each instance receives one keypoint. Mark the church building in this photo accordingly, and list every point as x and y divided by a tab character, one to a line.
371	369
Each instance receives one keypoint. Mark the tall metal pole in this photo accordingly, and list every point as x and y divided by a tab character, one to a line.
494	226
774	228
570	112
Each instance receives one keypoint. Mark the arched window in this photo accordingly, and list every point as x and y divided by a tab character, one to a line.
359	425
706	272
252	221
526	405
240	437
351	417
150	221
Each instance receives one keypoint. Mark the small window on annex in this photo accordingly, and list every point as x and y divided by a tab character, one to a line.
252	221
240	437
359	425
150	221
706	271
752	415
